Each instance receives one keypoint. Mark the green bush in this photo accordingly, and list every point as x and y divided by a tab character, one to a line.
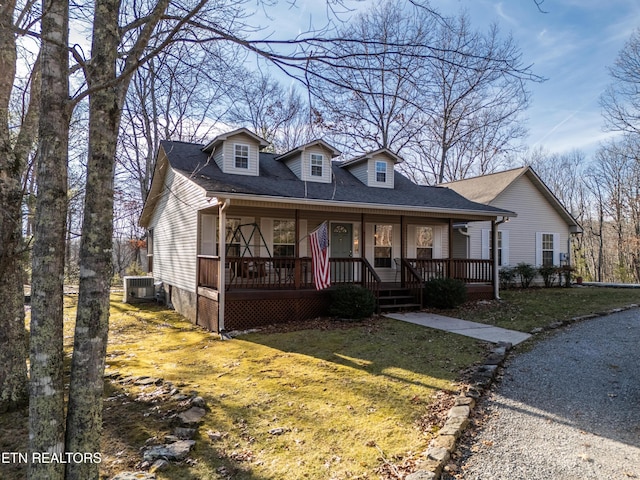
527	273
507	277
444	293
548	274
352	302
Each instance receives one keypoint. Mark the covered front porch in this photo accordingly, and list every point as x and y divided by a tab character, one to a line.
259	291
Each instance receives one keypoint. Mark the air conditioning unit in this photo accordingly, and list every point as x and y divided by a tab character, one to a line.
138	289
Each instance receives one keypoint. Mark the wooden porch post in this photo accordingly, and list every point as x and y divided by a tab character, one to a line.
402	248
450	246
297	264
363	243
222	241
494	258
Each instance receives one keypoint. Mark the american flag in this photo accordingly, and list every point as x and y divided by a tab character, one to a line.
320	255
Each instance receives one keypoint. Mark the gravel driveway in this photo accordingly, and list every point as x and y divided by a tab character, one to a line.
568	409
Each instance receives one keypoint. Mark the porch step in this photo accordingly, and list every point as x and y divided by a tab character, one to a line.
396	299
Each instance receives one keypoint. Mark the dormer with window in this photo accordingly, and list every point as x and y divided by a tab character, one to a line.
374	169
311	162
237	152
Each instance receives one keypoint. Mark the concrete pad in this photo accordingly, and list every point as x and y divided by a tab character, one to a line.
480	331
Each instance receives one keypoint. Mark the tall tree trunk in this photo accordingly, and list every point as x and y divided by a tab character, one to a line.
13	346
46	401
84	418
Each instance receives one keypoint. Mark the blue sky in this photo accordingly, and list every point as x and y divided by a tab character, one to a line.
571	46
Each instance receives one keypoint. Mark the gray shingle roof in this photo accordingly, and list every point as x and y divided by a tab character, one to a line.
276	180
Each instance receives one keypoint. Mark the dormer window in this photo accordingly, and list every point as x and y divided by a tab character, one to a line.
241	156
317	161
381	172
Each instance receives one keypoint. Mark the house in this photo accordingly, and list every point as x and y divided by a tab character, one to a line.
539	235
228	230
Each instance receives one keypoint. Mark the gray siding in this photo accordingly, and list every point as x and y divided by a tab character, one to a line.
228	159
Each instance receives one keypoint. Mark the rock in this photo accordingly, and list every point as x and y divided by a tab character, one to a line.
193	416
134	476
147	381
170	439
421	475
277	431
184	433
176	452
158	466
199	402
216	436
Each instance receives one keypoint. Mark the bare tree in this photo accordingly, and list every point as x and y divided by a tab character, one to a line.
18	129
46	400
621	100
263	105
476	100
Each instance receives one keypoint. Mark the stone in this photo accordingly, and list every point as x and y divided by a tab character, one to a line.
170	439
444	441
184	433
158	466
439	454
134	476
421	475
176	452
454	426
199	402
464	400
193	416
459	411
147	381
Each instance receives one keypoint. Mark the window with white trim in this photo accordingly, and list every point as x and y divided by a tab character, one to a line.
503	246
424	242
381	172
241	155
547	249
284	238
382	246
317	162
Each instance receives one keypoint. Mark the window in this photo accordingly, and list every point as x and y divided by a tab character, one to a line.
150	250
233	237
284	238
382	246
241	156
424	242
500	247
381	172
547	249
503	246
316	164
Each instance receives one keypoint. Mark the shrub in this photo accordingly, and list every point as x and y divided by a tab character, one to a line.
135	270
352	302
548	274
507	277
527	273
444	293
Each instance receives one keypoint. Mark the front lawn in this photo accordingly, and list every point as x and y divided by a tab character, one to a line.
324	399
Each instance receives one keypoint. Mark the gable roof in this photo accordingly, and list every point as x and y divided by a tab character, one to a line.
277	182
368	155
334	152
487	188
222	137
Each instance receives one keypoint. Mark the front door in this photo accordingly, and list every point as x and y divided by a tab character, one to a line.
342	247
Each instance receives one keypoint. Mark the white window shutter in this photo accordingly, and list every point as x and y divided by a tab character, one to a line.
556	250
505	247
484	244
538	249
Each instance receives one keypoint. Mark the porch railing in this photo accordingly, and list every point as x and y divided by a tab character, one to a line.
297	273
412	279
283	273
467	270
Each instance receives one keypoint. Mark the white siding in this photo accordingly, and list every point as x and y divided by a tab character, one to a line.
228	152
372	181
360	171
326	165
535	214
175	225
295	165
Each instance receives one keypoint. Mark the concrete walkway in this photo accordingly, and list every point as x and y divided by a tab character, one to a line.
462	327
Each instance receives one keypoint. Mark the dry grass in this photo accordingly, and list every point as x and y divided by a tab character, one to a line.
352	401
